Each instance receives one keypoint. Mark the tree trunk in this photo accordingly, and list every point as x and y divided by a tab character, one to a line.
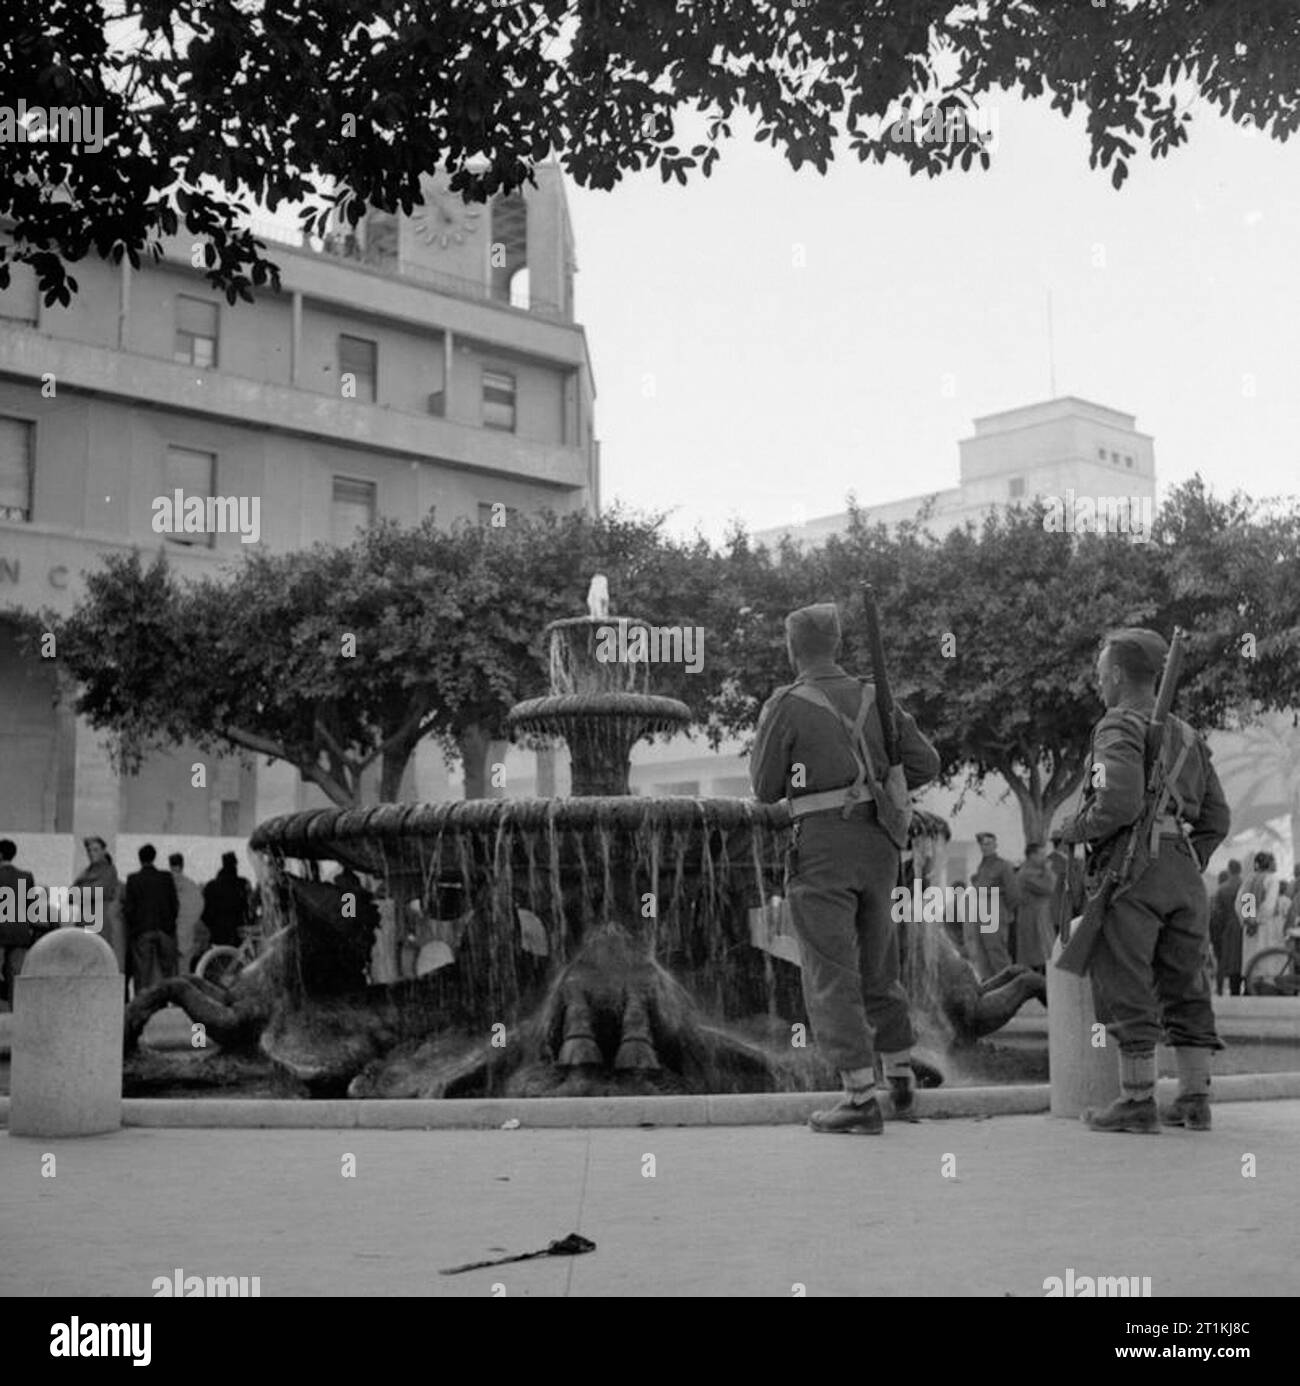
474	743
392	768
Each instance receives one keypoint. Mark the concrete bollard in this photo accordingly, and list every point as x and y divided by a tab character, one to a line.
66	1060
1081	1076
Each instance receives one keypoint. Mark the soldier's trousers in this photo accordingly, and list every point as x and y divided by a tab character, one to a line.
1150	982
838	882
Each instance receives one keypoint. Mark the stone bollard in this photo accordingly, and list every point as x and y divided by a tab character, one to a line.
1081	1076
66	1062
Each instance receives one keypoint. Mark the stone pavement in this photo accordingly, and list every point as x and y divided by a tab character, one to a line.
946	1207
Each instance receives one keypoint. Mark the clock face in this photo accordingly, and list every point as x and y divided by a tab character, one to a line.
445	220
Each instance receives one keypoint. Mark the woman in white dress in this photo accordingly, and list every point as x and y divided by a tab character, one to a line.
1260	907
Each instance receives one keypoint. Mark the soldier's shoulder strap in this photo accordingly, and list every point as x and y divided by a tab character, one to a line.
854	728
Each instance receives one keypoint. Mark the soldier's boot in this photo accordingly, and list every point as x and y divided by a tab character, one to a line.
898	1073
1191	1108
1135	1108
857	1113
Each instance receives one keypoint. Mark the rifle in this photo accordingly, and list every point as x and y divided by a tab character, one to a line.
894	804
1119	872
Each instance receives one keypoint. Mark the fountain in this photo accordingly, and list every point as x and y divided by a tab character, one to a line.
601	943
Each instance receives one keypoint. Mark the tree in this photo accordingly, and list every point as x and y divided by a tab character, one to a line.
210	108
314	658
336	660
992	634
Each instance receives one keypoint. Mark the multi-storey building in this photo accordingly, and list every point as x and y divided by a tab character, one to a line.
413	364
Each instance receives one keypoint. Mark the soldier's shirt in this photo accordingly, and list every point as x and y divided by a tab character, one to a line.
794	732
1113	798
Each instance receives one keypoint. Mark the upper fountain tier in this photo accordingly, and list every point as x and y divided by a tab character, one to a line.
599	701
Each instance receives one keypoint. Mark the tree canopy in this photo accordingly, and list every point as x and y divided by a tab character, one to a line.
212	108
991	632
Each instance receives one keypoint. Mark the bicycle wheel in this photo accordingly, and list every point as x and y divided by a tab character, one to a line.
221	964
1269	973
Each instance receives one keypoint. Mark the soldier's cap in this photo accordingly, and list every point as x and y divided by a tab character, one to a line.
814	631
1140	648
986	837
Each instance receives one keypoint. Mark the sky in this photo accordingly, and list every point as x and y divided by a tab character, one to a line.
766	341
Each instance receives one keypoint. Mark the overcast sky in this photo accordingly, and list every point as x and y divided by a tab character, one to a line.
735	383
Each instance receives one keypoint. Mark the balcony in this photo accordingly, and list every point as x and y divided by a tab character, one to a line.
28	354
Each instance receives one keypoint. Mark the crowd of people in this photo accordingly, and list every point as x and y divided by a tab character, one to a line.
1032	902
158	923
1249	913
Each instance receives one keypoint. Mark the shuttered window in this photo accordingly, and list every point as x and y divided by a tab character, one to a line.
499	400
15	470
194	474
352	508
196	331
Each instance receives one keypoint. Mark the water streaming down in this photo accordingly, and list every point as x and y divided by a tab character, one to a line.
664	962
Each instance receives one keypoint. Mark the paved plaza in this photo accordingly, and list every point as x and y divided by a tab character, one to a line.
945	1207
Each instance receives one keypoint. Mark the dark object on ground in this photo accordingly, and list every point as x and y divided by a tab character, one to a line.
572	1245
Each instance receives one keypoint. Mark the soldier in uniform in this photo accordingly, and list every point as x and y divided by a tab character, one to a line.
820	744
1149	978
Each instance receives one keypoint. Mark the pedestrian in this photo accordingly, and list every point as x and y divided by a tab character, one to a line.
1292	920
101	874
17	900
1068	893
1149	981
990	952
1035	887
150	907
191	936
1225	931
820	744
1258	909
227	903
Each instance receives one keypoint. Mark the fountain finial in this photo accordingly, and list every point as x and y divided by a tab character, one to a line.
598	598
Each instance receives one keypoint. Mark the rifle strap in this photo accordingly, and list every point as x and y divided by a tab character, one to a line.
1169	788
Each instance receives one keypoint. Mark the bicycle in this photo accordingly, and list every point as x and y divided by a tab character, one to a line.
1276	971
223	962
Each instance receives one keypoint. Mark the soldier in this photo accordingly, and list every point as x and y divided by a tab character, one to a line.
820	744
1149	979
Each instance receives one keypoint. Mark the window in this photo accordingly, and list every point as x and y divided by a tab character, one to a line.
488	511
230	818
15	470
1128	461
1114	457
192	473
20	301
1016	487
359	357
1101	452
353	508
196	331
499	401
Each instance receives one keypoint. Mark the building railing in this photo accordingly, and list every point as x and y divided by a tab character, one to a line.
349	247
